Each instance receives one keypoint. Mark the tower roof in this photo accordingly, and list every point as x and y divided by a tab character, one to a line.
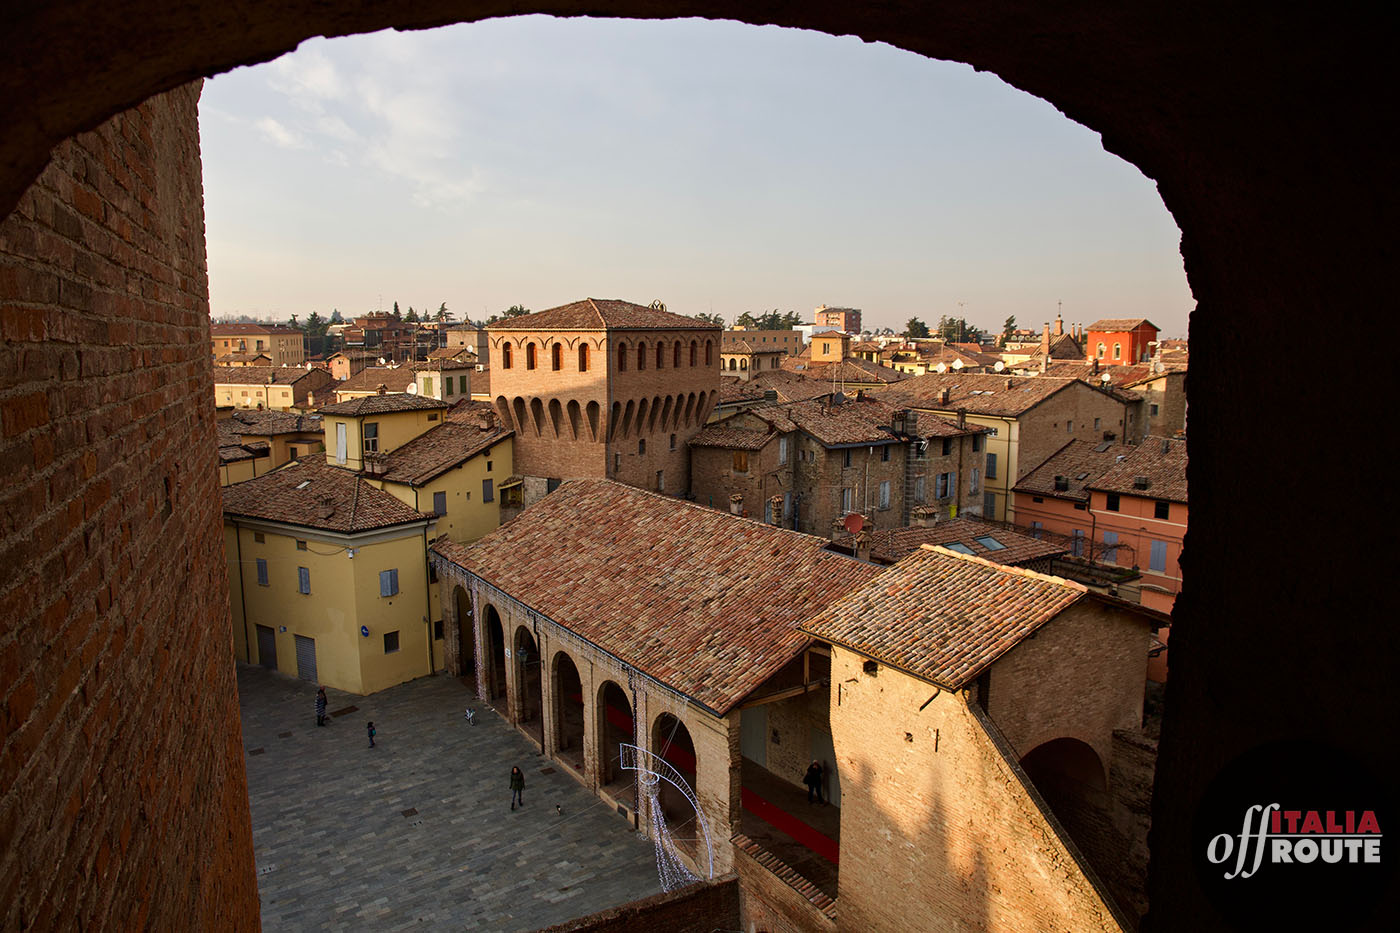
602	314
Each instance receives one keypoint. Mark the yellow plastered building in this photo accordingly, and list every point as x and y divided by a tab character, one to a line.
329	579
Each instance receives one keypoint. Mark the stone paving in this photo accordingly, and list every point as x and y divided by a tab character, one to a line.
418	831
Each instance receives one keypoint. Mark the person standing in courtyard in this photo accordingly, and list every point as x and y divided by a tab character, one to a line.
370	729
813	780
517	787
320	706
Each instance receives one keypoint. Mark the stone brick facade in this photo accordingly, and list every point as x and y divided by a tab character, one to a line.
123	800
582	407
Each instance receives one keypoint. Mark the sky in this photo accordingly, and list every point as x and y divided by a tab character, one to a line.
715	166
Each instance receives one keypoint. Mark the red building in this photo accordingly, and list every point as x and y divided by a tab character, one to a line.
1120	340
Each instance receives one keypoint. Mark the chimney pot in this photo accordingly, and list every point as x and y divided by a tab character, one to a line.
736	504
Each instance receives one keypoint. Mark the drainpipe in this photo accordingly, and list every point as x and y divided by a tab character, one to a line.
427	593
243	593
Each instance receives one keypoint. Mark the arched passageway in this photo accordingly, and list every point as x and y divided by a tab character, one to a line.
567	690
614	726
466	633
671	741
1071	778
495	673
529	682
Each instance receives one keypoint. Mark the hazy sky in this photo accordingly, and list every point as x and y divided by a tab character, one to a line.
715	166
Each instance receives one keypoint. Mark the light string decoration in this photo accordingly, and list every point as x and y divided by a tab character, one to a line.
651	771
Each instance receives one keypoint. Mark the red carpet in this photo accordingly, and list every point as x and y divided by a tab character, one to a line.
780	819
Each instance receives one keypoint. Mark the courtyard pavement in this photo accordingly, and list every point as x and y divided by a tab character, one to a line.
418	831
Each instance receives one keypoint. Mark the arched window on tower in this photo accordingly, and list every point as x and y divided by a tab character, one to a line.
505	356
709	353
660	354
583	357
530	355
676	356
693	347
641	356
622	357
556	354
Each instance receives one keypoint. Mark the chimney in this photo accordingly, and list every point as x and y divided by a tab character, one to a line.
1059	326
775	508
925	516
943	397
486	420
327	507
962	417
736	504
1096	366
382	389
862	543
1010	382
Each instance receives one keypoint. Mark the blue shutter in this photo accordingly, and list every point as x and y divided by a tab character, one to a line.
1110	550
304	580
488	491
439	503
991	466
1158	559
262	571
386	583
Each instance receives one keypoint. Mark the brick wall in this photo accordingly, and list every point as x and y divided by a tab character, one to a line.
775	899
937	823
1066	416
699	908
124	798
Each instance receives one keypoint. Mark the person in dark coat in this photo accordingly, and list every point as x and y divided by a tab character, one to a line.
813	780
517	788
370	729
320	706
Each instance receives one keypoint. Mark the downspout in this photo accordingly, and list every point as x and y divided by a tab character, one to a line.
243	593
427	593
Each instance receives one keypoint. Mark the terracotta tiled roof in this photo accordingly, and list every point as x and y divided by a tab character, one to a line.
395	379
438	450
381	404
732	391
976	392
602	314
944	616
314	494
1161	460
861	372
1079	462
731	345
440	364
452	353
270	423
233	453
730	438
259	375
232	330
790	386
1115	324
706	602
242	357
893	544
355	354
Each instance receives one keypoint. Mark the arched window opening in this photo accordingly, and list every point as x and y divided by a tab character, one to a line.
567	690
583	357
676	356
671	741
622	357
660	355
1102	351
613	727
1117	351
709	353
693	347
529	356
556	357
505	356
641	356
529	684
744	364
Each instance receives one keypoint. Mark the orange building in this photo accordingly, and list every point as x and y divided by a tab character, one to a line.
1120	340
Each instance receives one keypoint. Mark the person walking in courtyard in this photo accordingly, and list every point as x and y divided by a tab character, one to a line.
813	780
370	729
320	706
517	788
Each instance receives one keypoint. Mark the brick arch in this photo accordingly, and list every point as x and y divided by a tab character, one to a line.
614	421
593	411
575	420
655	413
641	422
622	356
627	412
641	355
676	356
521	418
537	411
503	409
689	407
667	411
570	710
556	417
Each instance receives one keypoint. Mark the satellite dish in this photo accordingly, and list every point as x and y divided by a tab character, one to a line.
957	364
940	368
999	366
381	361
412	388
854	522
1105	379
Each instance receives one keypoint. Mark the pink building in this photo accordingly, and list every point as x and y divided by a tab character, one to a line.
1118	506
